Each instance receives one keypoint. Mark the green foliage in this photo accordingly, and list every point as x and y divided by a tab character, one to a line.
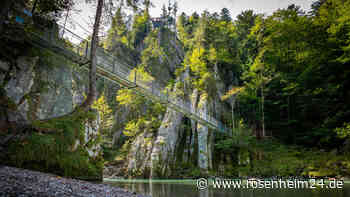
110	154
143	124
105	114
204	80
210	45
326	164
186	27
58	150
132	128
241	138
45	7
225	15
180	26
291	68
140	28
118	31
298	66
145	112
268	158
343	132
151	55
128	97
273	162
196	172
142	75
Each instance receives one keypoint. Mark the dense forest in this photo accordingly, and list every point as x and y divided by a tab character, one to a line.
279	82
290	69
287	77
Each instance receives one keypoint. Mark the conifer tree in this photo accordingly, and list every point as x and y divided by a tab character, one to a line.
225	15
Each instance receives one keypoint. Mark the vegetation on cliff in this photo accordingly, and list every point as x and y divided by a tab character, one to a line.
286	78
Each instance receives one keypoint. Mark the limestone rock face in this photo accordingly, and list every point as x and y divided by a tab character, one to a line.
179	140
79	86
203	142
24	86
4	66
121	117
163	153
58	100
140	155
205	136
19	86
46	91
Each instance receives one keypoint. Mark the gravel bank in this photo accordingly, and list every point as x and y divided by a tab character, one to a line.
23	183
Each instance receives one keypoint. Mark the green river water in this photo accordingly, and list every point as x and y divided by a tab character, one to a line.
180	188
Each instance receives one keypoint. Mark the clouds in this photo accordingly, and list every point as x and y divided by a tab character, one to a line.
190	6
235	6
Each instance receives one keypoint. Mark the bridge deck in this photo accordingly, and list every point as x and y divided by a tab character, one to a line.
110	68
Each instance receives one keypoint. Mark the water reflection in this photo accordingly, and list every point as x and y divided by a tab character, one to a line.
189	190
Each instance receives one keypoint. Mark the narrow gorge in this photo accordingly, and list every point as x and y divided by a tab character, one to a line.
275	86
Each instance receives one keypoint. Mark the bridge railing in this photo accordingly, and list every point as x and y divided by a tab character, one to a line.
111	63
81	47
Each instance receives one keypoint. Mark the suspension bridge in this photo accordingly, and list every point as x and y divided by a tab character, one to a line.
77	50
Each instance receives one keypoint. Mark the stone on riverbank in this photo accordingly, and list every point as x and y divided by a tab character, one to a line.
20	182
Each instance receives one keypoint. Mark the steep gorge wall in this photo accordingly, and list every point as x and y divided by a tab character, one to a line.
179	144
41	86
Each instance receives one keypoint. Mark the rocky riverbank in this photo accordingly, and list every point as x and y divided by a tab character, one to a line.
20	182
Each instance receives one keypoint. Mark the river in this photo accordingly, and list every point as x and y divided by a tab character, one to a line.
169	188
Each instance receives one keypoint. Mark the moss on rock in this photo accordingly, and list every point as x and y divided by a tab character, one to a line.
58	150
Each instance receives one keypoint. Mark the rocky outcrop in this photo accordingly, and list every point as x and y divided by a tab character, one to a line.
179	141
58	100
139	159
42	92
163	154
19	86
203	154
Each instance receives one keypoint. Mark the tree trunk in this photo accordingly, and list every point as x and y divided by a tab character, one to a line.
91	97
256	121
288	111
262	108
65	22
233	115
34	6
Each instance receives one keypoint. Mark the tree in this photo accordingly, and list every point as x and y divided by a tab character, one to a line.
91	97
245	21
147	4
297	66
164	12
169	7
107	8
181	31
315	7
247	46
105	115
175	9
118	30
225	15
43	7
140	28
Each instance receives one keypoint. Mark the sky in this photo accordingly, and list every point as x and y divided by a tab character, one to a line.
235	6
189	6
